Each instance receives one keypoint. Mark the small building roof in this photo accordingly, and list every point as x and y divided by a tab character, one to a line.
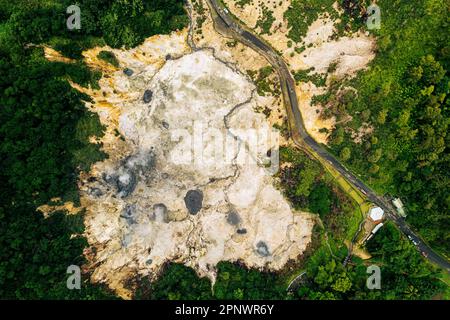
377	227
376	213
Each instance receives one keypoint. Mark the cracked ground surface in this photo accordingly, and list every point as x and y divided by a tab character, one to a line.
164	195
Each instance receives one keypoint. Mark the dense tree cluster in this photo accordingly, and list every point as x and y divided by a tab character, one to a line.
44	143
41	149
404	98
233	282
45	130
177	282
299	178
302	13
39	116
119	22
237	282
309	188
404	275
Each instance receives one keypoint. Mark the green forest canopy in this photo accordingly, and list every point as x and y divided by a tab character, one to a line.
404	276
42	150
44	131
404	96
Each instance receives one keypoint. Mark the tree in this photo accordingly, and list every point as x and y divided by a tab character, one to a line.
45	130
345	153
382	115
342	284
365	115
338	136
237	282
399	257
320	199
433	72
179	282
375	156
374	168
298	178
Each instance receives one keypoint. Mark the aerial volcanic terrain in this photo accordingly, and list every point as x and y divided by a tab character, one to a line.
188	178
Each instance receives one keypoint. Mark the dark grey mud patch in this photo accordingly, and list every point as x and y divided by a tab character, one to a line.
194	201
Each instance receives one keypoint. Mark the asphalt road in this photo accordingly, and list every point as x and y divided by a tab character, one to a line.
303	139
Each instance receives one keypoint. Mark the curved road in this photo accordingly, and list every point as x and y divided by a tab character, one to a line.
299	134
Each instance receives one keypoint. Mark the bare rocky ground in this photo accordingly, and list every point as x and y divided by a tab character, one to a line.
157	199
165	196
241	57
347	54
